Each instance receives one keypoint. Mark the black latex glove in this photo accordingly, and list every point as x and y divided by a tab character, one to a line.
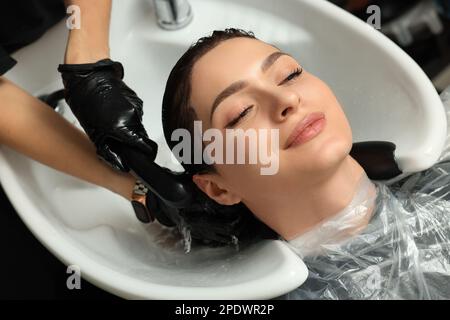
107	109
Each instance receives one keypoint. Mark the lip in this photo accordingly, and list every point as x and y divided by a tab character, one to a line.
299	135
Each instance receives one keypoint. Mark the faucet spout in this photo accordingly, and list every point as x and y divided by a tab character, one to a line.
173	14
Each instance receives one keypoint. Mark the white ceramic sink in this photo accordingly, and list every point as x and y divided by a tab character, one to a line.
385	95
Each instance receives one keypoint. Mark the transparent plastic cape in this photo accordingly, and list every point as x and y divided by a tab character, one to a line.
403	252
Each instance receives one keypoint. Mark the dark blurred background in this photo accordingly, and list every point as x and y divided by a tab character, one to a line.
29	271
420	27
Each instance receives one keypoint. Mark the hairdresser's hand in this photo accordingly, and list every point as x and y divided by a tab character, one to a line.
107	109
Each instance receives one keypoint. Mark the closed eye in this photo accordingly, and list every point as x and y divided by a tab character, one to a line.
241	115
297	72
294	74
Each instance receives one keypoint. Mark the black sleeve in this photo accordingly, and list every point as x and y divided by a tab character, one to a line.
6	62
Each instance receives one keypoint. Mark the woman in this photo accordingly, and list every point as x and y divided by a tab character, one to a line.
358	239
321	173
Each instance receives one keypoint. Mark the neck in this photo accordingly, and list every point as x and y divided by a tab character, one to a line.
323	196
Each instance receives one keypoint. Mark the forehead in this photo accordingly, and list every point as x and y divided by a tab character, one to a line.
232	60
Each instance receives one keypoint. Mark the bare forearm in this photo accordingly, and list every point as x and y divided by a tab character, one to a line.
32	128
90	43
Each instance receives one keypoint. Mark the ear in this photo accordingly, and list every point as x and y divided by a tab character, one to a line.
209	184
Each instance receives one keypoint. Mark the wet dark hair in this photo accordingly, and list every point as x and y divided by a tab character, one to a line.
177	113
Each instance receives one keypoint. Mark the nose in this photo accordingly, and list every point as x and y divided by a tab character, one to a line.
286	104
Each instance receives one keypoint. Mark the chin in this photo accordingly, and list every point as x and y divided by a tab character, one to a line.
334	152
324	154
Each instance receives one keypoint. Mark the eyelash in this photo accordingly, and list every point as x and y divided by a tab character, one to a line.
297	72
239	117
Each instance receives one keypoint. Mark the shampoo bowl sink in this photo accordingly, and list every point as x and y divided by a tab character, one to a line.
385	94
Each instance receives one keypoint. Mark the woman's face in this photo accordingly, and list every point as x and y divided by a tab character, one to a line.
271	94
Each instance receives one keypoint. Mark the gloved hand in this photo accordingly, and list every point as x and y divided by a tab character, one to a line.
107	109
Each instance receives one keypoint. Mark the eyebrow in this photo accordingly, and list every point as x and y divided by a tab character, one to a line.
241	84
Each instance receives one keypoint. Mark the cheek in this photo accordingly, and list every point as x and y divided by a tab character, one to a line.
338	127
239	178
330	147
243	174
336	142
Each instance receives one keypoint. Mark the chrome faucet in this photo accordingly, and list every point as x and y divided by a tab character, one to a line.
173	14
